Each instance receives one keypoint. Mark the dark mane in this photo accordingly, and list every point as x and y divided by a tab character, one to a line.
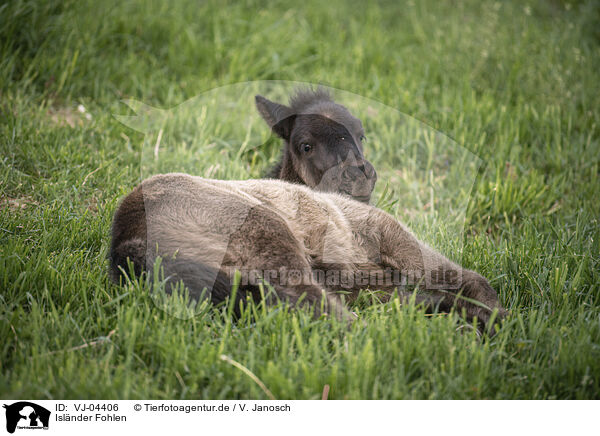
274	171
304	98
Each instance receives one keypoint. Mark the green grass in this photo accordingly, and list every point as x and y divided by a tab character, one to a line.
517	84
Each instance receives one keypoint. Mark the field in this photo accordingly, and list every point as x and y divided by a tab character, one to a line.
513	84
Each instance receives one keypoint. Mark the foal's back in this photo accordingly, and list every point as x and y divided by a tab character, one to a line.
195	217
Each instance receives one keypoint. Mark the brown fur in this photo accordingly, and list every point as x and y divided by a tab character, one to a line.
204	229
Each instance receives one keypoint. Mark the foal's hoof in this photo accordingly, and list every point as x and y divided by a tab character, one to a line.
491	323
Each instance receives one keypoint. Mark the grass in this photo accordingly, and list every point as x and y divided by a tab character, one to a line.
515	83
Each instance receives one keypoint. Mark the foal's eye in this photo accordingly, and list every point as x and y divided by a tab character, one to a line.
306	148
362	138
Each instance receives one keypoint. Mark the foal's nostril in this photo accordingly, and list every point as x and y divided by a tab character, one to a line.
369	171
353	173
362	168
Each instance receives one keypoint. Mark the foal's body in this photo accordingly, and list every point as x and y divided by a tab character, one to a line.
204	229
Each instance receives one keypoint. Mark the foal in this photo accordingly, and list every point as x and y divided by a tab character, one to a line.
306	244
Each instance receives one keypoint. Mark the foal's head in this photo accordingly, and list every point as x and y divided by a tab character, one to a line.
323	144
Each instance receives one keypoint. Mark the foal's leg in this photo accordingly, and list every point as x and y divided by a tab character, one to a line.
265	246
431	271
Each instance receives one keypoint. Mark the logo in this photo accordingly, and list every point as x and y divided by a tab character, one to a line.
26	415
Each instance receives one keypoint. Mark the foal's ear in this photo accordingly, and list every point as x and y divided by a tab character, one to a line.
279	117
